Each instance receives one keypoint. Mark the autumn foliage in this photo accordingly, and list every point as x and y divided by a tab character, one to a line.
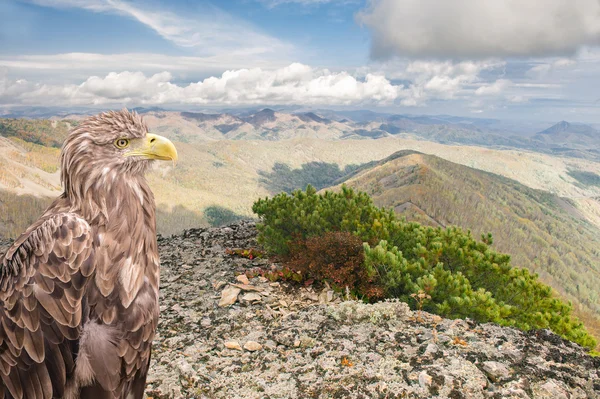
335	257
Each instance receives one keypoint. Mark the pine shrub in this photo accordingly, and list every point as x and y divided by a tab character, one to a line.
288	218
459	275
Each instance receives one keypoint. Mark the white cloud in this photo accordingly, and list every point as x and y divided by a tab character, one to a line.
294	84
476	28
307	3
275	3
494	89
209	31
408	84
428	80
543	69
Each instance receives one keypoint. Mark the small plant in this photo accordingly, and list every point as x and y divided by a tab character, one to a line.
283	274
346	362
251	253
420	297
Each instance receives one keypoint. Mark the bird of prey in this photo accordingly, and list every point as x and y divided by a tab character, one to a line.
79	289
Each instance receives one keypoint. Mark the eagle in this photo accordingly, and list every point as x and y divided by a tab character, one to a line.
79	289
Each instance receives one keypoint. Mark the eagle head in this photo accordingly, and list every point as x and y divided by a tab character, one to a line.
107	148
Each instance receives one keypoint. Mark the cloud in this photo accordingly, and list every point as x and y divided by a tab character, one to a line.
294	84
427	80
208	31
543	69
411	84
493	89
476	28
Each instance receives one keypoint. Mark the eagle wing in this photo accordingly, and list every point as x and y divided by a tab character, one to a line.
43	279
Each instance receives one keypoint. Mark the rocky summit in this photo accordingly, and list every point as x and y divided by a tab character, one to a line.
224	335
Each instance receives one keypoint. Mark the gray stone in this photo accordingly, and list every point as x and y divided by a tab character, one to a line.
496	371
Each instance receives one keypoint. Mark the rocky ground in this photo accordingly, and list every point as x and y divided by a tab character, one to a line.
222	335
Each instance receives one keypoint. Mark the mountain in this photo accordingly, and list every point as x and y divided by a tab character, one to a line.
282	123
572	135
312	117
261	117
542	232
580	141
539	229
284	341
218	168
564	128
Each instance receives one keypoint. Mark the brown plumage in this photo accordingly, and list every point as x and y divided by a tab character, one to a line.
79	289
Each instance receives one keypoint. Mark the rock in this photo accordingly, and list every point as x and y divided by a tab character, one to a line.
550	390
431	350
326	296
496	371
252	346
242	278
233	345
425	380
205	322
251	297
229	296
246	287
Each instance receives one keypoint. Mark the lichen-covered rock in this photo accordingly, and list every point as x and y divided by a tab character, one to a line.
336	348
316	348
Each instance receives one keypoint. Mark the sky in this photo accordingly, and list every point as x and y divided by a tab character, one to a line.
517	59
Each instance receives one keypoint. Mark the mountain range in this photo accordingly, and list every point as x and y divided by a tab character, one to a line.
542	209
563	138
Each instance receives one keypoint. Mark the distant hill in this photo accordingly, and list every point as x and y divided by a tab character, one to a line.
222	154
542	232
49	133
261	117
571	135
565	128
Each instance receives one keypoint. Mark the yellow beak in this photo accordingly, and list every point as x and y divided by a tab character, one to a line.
156	147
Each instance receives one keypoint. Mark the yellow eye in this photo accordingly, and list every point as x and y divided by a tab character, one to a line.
122	143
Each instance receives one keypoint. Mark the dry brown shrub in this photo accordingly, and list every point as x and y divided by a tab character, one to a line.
335	257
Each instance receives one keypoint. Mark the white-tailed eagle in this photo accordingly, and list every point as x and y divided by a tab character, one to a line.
79	289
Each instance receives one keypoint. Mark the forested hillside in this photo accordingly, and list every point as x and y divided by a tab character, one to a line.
541	232
45	132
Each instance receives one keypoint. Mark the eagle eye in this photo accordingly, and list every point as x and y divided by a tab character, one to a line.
121	143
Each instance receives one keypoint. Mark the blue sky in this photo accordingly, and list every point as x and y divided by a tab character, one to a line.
466	57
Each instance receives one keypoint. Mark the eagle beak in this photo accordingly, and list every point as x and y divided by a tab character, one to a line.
156	147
